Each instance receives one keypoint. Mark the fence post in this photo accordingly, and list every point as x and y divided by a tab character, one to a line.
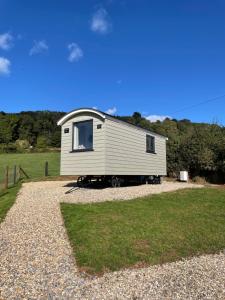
46	168
6	177
14	175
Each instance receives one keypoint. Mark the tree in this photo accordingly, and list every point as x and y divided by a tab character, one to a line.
5	131
137	118
42	142
26	128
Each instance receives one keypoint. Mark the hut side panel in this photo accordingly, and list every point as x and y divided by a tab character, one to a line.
126	151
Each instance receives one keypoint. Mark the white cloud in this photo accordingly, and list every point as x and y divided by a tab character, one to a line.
111	111
154	118
119	82
76	52
39	47
4	66
100	22
6	41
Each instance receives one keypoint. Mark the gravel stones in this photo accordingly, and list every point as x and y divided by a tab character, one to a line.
36	260
122	193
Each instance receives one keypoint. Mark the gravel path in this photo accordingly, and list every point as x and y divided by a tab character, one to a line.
197	278
36	260
123	193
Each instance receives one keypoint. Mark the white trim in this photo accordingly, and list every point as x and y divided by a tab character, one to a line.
78	111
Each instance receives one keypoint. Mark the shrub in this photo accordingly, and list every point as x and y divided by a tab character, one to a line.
22	145
8	148
42	142
199	180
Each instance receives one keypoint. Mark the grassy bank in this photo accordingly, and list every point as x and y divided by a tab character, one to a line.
32	163
152	230
7	199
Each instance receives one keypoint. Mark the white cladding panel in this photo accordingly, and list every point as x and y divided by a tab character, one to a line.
126	151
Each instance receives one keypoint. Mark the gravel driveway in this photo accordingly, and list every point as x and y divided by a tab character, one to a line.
36	260
124	193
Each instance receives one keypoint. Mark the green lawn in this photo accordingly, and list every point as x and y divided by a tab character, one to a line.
7	199
32	163
152	230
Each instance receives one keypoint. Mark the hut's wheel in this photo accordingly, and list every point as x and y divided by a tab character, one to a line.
115	182
80	181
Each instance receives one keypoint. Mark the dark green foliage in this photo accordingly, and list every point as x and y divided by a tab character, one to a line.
152	230
5	131
42	142
137	118
37	128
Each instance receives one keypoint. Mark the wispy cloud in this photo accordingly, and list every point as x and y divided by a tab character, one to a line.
6	41
119	82
154	118
100	22
111	111
4	66
76	52
38	47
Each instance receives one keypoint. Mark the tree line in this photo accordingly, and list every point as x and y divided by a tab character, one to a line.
196	147
26	131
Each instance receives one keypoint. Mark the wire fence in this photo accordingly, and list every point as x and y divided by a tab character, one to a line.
9	176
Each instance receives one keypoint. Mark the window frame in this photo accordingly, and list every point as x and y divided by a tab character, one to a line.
73	144
148	150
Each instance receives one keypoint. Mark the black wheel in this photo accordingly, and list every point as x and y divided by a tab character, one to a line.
118	182
115	182
80	181
146	180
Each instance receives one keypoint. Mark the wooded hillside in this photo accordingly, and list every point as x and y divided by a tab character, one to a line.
196	147
30	129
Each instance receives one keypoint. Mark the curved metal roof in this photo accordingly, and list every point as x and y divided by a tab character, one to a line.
78	111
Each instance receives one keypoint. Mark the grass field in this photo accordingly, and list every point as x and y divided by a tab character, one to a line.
152	230
6	200
32	163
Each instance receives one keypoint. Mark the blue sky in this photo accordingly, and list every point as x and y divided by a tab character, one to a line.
155	57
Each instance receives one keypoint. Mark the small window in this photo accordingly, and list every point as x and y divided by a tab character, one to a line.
150	144
83	136
66	130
